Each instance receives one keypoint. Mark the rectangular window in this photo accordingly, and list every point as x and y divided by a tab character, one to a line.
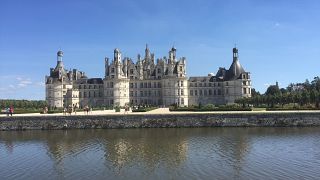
182	92
131	71
131	85
191	92
111	84
112	70
195	92
182	83
210	92
244	90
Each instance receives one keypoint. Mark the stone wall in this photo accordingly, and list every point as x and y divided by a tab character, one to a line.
161	121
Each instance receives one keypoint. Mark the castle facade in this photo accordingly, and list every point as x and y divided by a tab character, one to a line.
160	82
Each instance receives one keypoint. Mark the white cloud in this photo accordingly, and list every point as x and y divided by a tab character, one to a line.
276	25
40	84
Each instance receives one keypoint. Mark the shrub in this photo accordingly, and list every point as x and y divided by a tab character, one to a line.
144	109
117	108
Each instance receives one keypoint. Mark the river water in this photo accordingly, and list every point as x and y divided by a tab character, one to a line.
182	153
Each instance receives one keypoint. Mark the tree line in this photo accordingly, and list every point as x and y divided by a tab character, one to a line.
26	104
306	94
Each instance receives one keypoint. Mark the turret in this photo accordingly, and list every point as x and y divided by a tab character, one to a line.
235	54
172	55
117	55
235	69
106	66
59	55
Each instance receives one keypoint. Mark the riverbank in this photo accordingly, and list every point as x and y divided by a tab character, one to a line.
160	118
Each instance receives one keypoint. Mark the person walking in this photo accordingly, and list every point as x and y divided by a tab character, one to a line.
64	111
75	109
11	110
7	111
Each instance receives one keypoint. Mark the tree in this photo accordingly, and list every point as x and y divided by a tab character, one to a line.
273	90
254	92
305	97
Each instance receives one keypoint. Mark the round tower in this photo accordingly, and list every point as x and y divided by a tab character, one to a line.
59	55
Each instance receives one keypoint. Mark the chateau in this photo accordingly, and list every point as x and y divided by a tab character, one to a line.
160	82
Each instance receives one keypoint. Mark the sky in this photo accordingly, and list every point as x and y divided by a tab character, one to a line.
278	40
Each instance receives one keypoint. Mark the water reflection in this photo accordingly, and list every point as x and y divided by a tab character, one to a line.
162	153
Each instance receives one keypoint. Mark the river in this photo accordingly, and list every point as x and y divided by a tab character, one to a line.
176	153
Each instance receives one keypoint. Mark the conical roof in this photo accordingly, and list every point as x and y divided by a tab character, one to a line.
235	70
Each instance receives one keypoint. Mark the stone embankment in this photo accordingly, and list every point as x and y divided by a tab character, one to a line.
161	121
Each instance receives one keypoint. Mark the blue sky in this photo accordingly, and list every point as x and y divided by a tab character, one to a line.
278	40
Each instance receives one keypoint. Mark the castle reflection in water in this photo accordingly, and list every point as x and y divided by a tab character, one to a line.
127	147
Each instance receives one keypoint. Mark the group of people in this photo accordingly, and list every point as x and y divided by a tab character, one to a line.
87	109
9	111
69	110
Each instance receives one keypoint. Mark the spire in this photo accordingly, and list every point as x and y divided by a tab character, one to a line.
147	52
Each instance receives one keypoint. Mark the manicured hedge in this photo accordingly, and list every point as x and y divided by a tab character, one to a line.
291	109
210	109
144	109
